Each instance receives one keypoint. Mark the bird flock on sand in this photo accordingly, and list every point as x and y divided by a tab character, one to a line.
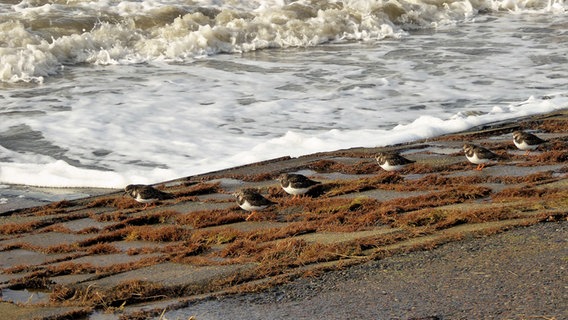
298	185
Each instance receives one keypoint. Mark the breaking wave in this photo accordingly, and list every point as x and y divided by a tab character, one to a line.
39	38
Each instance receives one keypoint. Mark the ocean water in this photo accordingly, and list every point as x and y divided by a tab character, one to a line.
103	93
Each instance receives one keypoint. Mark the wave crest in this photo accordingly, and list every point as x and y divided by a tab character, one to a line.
46	37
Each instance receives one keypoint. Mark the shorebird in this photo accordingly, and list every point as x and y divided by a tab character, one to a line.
296	184
251	200
146	194
526	141
478	155
392	161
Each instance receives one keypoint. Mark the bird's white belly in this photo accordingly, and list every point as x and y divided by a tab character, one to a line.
142	200
248	207
524	146
476	160
388	167
295	191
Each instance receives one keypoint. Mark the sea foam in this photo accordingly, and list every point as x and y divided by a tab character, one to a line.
58	173
143	97
122	32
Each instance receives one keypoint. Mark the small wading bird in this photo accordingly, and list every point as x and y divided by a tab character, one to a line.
146	194
526	141
296	184
392	161
251	200
478	155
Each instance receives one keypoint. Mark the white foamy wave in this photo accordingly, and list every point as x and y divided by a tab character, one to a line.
545	6
121	32
20	57
422	128
38	170
44	171
28	57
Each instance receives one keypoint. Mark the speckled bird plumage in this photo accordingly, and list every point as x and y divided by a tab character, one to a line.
392	161
478	155
251	200
296	184
526	141
145	193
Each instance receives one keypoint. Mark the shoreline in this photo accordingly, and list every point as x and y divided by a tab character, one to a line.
104	256
19	197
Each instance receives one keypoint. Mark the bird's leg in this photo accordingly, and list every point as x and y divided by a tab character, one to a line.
250	216
297	197
151	204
